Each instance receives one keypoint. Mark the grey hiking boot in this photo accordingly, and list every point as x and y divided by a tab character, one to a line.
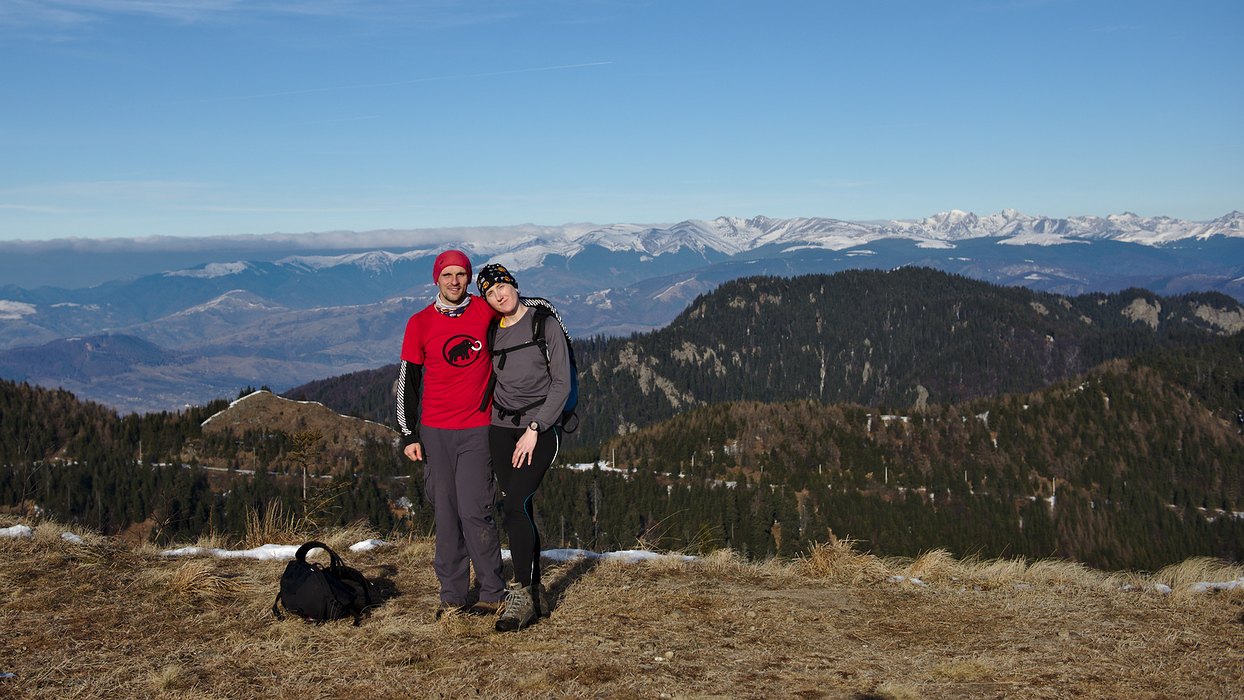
520	609
544	601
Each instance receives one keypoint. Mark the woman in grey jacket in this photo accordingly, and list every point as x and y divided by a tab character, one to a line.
532	386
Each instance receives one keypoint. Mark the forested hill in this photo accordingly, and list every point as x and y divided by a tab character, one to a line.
901	338
1134	464
1118	468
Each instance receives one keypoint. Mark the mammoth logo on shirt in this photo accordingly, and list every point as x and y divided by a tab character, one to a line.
461	350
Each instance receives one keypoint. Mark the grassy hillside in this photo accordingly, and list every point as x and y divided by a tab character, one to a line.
97	619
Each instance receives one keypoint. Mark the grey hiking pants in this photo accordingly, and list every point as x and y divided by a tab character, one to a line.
458	479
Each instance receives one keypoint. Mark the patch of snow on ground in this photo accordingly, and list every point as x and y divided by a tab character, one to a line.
910	579
369	545
281	552
1206	587
267	551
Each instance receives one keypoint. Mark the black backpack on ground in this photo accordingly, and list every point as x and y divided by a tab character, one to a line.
543	310
319	594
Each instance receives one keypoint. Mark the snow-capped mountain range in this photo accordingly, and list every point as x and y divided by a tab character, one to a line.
734	236
297	308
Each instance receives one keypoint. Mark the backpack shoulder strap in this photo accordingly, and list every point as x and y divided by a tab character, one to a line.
503	353
538	324
546	305
333	559
493	325
544	310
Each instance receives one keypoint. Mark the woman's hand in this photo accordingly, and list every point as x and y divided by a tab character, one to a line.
525	446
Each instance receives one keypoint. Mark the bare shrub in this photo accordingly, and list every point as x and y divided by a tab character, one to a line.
838	561
272	526
935	565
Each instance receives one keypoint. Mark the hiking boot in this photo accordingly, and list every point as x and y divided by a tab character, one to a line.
544	601
447	609
520	609
485	608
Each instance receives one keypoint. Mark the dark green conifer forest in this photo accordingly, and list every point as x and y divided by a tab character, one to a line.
910	410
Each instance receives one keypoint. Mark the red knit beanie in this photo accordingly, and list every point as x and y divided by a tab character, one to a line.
450	257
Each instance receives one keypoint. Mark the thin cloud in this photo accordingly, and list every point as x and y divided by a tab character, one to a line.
31	208
412	81
404	239
74	12
111	190
278	210
428	13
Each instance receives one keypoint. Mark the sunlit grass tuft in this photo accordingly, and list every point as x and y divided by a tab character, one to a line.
839	562
935	565
197	579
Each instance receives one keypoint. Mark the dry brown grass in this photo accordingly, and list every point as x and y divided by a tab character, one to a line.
199	580
1183	577
936	565
103	620
272	526
837	561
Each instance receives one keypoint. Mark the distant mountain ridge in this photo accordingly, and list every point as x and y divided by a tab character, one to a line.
309	316
732	236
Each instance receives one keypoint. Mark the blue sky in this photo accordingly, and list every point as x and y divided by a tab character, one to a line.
144	118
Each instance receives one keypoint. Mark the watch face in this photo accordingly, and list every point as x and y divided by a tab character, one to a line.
534	426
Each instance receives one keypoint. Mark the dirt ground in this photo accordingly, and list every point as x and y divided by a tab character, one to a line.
104	620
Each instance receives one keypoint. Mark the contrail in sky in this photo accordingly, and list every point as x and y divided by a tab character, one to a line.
399	82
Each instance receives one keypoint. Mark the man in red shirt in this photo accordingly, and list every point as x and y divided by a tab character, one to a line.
443	414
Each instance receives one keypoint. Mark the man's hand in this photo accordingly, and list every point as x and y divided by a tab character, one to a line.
414	452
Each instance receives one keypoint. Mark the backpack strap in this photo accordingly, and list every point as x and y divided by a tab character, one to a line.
345	574
333	559
518	412
541	303
543	310
493	325
537	332
537	339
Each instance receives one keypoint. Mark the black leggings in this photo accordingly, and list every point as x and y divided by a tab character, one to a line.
517	488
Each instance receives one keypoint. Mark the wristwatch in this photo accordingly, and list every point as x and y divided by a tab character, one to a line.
534	426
